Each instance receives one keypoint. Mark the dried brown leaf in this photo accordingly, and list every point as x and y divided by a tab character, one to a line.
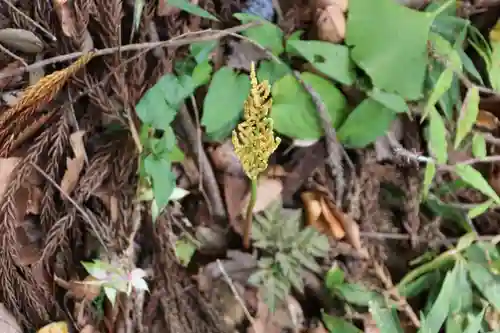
65	16
335	226
74	165
331	24
268	191
10	79
342	4
288	316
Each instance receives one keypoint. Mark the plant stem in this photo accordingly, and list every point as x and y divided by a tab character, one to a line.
248	221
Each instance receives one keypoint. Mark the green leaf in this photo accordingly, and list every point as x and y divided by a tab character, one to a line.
266	34
162	177
175	155
441	307
480	209
187	6
154	110
339	325
440	88
486	282
271	71
386	319
389	42
437	137
494	70
468	115
201	73
430	171
330	59
334	277
223	104
475	179
461	302
368	121
478	145
357	294
201	50
475	322
391	101
293	112
184	250
110	294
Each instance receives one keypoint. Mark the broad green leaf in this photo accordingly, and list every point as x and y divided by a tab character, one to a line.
184	250
358	294
478	145
266	34
175	154
201	74
437	137
480	209
293	112
475	179
223	104
461	302
486	282
330	59
96	270
389	42
154	110
162	177
441	307
368	121
187	6
201	50
271	71
468	115
494	70
430	171
419	285
339	325
387	320
465	241
391	101
469	65
440	88
334	277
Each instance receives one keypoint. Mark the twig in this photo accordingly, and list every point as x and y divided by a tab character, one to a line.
181	40
208	176
73	202
386	280
333	148
8	52
29	19
235	292
491	139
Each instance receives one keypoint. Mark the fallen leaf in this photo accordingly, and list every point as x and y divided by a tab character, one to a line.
243	53
313	210
235	190
8	323
21	40
268	191
288	316
224	159
331	24
487	121
74	165
335	226
65	15
239	266
56	327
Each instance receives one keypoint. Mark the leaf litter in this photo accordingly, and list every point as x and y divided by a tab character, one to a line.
81	125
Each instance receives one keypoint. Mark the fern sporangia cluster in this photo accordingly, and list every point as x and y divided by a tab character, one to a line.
254	140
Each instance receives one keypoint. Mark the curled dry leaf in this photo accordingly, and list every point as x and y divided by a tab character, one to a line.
65	15
8	323
487	121
243	53
320	216
268	191
331	24
74	165
21	40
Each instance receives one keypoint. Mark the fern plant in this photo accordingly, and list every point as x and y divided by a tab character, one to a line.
287	252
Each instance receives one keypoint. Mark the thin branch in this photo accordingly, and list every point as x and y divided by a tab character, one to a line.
184	39
207	173
235	292
29	19
8	52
